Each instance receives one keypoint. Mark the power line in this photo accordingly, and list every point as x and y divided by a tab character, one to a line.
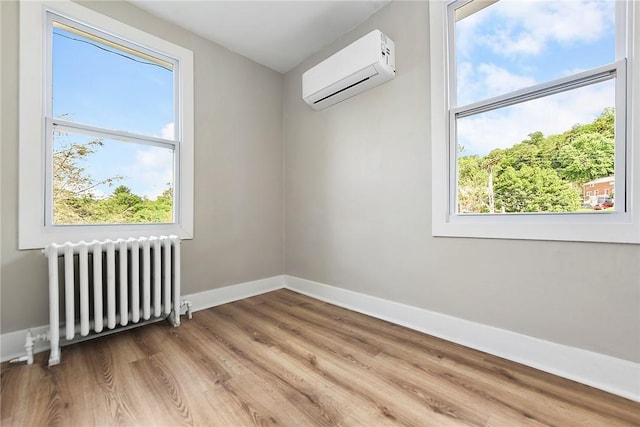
112	51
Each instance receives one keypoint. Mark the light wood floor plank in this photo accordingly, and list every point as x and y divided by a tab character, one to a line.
283	359
492	371
331	349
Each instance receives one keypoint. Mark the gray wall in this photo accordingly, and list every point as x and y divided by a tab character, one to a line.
358	216
238	171
357	212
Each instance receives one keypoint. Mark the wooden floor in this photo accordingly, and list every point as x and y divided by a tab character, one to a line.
284	359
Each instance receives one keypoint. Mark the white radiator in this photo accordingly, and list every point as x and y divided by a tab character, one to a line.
128	282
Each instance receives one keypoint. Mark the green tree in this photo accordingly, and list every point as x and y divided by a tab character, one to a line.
539	174
588	156
492	163
159	210
73	186
603	125
74	193
472	185
535	189
120	207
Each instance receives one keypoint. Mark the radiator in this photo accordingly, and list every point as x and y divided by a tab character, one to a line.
111	285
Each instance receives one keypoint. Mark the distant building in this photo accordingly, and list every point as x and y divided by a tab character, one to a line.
598	187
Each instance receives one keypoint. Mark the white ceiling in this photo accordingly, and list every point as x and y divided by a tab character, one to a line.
278	34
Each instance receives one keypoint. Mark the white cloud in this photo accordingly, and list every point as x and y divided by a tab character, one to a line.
150	172
486	81
168	131
148	169
527	27
498	80
551	115
467	33
570	21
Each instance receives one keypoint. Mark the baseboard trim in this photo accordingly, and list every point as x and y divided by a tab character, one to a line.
12	343
617	376
227	294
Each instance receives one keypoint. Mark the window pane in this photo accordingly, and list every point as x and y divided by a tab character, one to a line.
103	181
513	44
540	155
100	83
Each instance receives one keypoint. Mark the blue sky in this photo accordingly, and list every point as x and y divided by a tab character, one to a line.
504	47
513	44
95	86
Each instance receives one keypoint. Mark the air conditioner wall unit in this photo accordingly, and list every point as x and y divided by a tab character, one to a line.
365	63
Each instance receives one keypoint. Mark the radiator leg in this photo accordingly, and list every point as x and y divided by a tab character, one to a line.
54	356
174	318
54	309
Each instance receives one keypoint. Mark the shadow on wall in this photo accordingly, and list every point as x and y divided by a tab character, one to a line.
29	299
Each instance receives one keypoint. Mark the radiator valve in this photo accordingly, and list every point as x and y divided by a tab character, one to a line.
28	347
188	305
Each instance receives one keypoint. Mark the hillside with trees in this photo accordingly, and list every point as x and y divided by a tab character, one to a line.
539	174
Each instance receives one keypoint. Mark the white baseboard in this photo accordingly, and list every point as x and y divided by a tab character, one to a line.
617	376
12	343
219	296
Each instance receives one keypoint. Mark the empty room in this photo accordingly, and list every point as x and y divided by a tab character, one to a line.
320	213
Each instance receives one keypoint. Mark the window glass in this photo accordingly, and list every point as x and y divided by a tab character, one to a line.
105	181
113	140
533	150
513	44
535	156
101	83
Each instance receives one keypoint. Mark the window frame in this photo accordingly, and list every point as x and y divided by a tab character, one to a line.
622	226
35	183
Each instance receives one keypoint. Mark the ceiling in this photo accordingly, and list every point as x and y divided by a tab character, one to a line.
278	34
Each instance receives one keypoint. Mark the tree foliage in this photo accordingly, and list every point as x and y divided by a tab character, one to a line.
473	184
535	189
539	174
77	201
587	157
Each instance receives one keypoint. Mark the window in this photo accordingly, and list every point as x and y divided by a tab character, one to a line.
529	104
106	140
